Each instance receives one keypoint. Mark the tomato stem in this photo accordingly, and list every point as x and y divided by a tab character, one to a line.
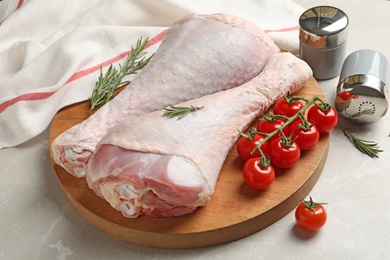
304	125
252	132
292	99
264	160
287	141
289	120
311	204
323	105
273	118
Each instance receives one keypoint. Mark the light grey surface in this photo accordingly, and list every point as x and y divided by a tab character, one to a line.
37	222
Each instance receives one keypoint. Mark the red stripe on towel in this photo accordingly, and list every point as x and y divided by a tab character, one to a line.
33	96
43	95
20	3
25	97
88	71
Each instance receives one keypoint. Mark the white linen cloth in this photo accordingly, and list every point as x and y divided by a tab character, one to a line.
51	51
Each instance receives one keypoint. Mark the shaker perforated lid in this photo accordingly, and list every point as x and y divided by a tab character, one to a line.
323	27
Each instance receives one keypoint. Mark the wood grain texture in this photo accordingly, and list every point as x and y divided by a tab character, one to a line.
234	211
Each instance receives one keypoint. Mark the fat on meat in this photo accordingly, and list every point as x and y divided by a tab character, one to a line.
199	55
159	166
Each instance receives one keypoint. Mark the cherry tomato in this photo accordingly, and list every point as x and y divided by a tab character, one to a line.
325	121
256	176
282	107
306	139
310	215
245	146
283	156
345	95
266	126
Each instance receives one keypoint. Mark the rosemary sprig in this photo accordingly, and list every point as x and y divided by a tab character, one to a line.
179	112
364	112
106	85
370	148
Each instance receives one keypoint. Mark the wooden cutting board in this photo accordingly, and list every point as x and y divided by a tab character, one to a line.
234	211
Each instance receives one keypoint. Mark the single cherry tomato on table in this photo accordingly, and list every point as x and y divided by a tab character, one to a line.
306	138
258	177
246	145
267	126
325	120
283	155
310	215
287	108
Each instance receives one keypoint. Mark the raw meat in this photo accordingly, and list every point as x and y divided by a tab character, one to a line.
200	55
159	166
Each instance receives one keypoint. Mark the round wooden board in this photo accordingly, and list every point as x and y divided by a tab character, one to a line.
234	211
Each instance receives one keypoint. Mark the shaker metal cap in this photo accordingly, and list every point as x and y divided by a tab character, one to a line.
323	27
362	92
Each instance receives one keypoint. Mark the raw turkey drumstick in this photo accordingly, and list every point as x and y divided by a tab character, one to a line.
199	55
160	166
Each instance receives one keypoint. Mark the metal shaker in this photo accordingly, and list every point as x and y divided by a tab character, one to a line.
323	35
362	92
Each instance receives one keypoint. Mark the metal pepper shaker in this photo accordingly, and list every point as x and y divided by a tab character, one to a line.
362	92
323	35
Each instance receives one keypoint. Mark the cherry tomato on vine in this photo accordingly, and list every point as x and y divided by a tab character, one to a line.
305	138
245	146
282	107
283	156
310	215
325	121
266	126
256	176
